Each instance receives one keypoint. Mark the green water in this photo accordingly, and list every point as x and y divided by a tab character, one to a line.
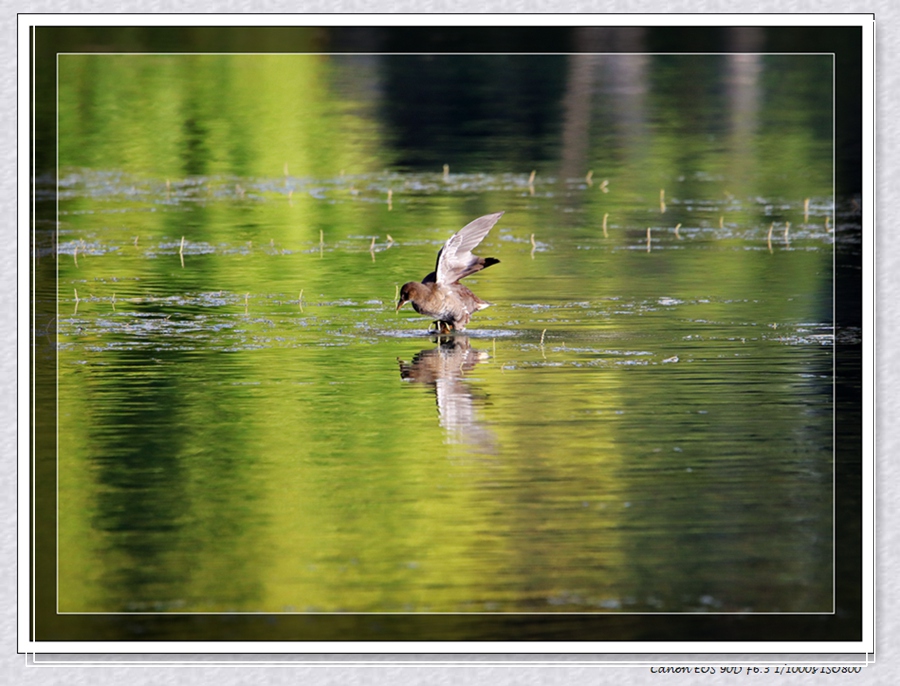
642	421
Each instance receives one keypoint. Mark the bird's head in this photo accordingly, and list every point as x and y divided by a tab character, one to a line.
407	292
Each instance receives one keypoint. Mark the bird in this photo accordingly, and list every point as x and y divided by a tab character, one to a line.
440	294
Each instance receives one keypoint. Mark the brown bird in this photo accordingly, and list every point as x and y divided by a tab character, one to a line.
440	295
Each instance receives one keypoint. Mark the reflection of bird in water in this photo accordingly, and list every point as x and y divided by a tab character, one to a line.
444	368
440	295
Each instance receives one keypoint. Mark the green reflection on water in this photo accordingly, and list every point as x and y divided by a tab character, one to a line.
634	425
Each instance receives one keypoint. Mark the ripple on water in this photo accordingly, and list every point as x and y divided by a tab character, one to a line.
480	334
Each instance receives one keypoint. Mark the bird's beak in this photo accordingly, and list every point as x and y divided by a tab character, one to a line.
400	304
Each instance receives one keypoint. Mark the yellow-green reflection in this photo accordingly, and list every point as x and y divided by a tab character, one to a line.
647	425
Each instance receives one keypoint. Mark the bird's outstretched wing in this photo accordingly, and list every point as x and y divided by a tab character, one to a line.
455	260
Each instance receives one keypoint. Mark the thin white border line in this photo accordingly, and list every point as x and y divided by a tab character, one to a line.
769	657
435	54
863	20
834	332
363	649
33	223
465	661
585	658
867	219
56	338
597	613
487	20
866	36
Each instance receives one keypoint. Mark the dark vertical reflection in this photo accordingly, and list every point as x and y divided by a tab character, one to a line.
848	392
175	518
141	501
44	412
472	112
195	154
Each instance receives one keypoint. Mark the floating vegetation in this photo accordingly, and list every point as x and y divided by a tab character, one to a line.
85	248
559	331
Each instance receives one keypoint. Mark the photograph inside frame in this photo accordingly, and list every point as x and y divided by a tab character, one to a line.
643	422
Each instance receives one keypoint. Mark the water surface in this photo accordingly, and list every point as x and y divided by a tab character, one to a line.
642	421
